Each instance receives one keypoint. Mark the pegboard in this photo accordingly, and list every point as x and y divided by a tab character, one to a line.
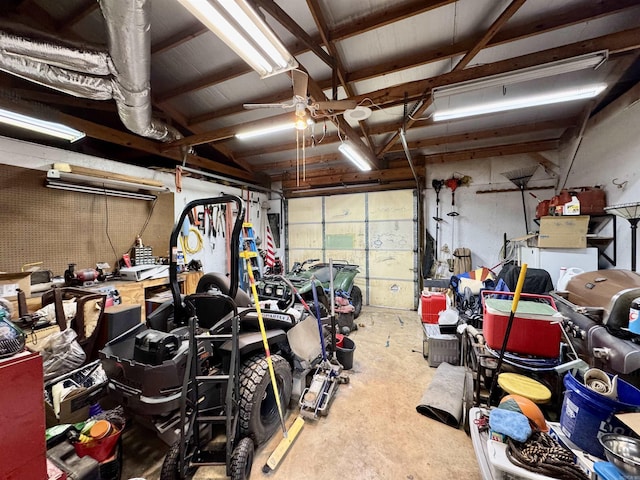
59	227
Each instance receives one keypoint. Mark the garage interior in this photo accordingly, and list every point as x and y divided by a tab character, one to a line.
171	186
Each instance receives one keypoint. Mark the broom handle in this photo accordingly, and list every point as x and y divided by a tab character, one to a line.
524	209
514	307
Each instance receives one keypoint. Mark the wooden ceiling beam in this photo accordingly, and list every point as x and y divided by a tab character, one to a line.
66	100
80	13
238	108
229	132
296	30
563	18
192	31
325	159
503	18
399	173
386	175
124	139
615	42
488	152
340	72
433	141
371	187
378	20
318	95
396	12
492	133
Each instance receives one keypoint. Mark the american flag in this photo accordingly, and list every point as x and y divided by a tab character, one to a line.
270	258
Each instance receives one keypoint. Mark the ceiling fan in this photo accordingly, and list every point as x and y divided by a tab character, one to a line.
303	104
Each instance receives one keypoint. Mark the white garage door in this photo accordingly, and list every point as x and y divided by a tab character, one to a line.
375	230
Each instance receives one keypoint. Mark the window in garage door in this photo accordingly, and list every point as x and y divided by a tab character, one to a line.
376	230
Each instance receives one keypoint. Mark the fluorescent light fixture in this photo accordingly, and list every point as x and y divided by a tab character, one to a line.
238	25
274	129
558	96
355	156
98	190
559	67
53	129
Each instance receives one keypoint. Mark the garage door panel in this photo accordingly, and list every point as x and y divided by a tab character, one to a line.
356	257
391	235
374	230
350	208
305	236
391	264
391	293
345	235
391	205
300	255
302	210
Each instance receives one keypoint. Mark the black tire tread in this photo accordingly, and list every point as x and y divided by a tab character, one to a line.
170	465
356	300
252	374
242	459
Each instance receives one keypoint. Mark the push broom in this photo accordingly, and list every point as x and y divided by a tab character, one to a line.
289	435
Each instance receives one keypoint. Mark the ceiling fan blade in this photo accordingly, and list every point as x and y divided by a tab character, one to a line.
252	106
335	105
300	81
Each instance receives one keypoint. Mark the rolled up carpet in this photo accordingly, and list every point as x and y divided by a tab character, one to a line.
443	398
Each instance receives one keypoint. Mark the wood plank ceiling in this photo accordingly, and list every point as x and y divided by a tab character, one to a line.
387	55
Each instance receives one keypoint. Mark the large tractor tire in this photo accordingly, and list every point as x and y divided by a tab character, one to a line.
259	417
356	301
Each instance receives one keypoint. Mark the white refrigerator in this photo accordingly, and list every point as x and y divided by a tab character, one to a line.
553	259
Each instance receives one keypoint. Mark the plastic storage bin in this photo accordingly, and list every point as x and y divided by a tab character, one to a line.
443	348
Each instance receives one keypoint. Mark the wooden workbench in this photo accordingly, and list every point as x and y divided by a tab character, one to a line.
131	293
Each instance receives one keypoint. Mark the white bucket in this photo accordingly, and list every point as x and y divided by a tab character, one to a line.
564	279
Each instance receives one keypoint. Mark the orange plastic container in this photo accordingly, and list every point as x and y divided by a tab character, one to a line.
432	304
101	449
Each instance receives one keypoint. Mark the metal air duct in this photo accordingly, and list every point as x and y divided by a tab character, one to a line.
121	74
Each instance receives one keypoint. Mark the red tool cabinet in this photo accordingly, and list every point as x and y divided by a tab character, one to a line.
23	452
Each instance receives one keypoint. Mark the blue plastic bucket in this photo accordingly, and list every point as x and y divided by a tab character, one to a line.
586	415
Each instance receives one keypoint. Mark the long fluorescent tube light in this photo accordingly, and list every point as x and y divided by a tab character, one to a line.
99	182
558	96
272	129
559	67
238	25
355	156
98	191
53	129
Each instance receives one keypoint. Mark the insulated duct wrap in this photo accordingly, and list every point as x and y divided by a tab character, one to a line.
72	83
121	74
66	57
128	31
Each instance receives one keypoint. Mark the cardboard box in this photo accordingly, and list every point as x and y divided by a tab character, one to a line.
563	231
10	282
91	382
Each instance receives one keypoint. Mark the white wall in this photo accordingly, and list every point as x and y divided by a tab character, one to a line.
608	152
38	157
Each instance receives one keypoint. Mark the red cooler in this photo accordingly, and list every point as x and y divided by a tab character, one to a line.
432	304
535	329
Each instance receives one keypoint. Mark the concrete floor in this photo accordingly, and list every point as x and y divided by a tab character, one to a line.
372	430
